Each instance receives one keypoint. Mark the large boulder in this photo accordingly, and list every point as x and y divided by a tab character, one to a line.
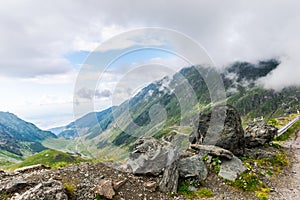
259	134
228	135
150	156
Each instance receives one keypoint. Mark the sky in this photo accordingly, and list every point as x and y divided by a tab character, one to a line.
45	46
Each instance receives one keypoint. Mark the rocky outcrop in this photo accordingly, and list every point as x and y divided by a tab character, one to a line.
231	169
149	156
212	150
259	134
232	133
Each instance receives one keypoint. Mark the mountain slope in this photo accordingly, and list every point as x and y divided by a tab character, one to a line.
19	137
119	129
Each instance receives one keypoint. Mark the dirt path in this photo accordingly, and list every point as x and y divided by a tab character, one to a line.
290	185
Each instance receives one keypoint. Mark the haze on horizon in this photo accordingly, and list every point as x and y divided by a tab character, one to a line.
44	44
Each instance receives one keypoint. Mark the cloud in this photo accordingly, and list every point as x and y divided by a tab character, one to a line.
89	94
35	36
104	93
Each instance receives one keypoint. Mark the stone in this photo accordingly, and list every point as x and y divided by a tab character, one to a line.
169	182
192	167
118	184
150	156
14	186
105	189
31	168
231	136
151	185
51	189
231	169
212	150
259	134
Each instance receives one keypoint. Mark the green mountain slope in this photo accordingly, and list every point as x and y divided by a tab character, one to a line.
112	132
51	158
20	137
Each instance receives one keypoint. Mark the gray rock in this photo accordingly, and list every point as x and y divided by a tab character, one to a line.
259	134
192	167
169	182
52	189
232	133
231	169
150	156
212	150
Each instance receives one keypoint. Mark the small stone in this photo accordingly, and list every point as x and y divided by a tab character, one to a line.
151	186
192	188
118	184
105	189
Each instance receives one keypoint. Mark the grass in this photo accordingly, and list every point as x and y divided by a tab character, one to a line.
51	158
70	190
201	192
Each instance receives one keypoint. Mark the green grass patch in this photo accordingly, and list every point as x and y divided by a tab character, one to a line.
51	158
250	181
201	192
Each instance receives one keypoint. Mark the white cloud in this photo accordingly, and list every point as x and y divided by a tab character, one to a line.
35	36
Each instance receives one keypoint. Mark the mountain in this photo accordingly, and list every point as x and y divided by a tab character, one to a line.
20	137
158	109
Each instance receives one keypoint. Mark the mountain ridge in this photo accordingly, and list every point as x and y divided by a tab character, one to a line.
116	128
18	136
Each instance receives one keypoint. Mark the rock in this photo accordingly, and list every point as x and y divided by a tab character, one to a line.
151	185
105	189
212	150
232	133
31	168
118	184
192	167
169	182
149	157
261	153
231	169
46	190
14	186
259	134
